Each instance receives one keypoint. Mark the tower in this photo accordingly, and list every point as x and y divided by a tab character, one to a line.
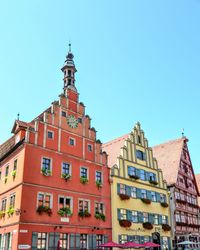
69	71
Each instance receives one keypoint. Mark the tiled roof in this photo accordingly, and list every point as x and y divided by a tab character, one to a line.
19	123
7	145
113	149
168	156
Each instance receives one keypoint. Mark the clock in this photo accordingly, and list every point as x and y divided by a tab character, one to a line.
72	121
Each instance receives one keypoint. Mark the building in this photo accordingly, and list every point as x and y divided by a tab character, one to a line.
140	210
174	159
54	183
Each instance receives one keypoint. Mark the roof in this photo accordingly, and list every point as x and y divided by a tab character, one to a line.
7	145
168	156
113	149
19	124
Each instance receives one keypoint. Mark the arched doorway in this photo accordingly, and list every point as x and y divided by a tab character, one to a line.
156	240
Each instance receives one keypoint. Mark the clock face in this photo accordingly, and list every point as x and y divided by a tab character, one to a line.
72	121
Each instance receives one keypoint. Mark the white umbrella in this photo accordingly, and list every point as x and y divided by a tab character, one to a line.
187	243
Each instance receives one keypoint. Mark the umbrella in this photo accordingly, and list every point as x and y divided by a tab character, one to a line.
150	244
111	244
132	245
186	243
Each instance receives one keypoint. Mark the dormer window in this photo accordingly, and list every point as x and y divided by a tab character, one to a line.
69	73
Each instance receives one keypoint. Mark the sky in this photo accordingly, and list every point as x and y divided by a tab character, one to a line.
137	60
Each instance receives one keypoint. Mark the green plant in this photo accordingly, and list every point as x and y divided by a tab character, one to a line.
13	173
154	182
2	214
66	176
125	223
84	213
44	209
124	196
65	211
147	225
100	216
99	184
5	179
10	211
164	204
146	200
166	227
83	180
46	172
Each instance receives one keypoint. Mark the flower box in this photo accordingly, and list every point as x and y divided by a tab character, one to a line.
84	213
99	184
65	211
46	172
66	176
134	176
146	200
83	180
13	173
166	227
2	214
164	204
124	196
154	182
147	225
100	216
44	209
125	223
10	211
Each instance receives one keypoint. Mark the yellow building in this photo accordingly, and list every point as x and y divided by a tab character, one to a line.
140	210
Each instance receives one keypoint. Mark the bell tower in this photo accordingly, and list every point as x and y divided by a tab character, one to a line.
69	71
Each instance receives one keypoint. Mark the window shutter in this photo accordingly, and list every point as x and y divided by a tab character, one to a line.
141	239
128	190
57	238
140	217
119	238
160	219
118	214
157	197
118	188
138	193
169	243
151	218
144	156
129	215
137	172
165	198
154	176
51	241
148	194
105	238
129	170
77	236
147	176
71	241
34	240
167	222
92	241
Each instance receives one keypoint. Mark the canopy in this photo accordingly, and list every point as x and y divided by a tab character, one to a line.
132	245
150	244
187	242
111	244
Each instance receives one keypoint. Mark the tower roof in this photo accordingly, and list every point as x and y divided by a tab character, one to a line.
69	62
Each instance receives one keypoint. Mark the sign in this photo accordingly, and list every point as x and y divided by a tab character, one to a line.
23	231
24	246
64	219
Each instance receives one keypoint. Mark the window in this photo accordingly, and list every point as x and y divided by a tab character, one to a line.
84	205
122	189
131	171
99	207
142	174
123	238
50	134
178	218
65	202
72	141
44	200
133	192
152	177
42	241
7	171
163	198
69	72
3	204
12	200
164	219
177	195
89	147
153	196
15	165
140	155
99	239
84	172
143	193
123	215
69	81
139	139
64	114
83	241
65	168
146	239
145	217
79	120
63	241
134	216
98	176
46	164
156	221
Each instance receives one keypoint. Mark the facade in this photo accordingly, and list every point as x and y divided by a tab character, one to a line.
140	210
54	179
174	159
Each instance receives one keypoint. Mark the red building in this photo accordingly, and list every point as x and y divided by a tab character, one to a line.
174	159
54	179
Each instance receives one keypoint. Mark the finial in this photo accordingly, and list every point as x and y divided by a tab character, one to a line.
18	116
182	132
69	46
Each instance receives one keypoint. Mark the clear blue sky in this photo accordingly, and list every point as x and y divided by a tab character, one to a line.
137	61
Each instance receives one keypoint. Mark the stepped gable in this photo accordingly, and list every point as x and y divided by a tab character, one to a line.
113	149
168	156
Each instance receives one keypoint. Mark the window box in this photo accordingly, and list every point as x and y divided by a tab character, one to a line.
124	196
46	172
66	176
44	209
65	211
83	180
99	184
10	211
5	179
146	200
125	223
147	225
180	223
154	182
13	173
100	216
166	227
84	213
136	177
164	204
2	214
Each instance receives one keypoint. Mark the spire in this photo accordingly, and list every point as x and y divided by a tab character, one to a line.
69	71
